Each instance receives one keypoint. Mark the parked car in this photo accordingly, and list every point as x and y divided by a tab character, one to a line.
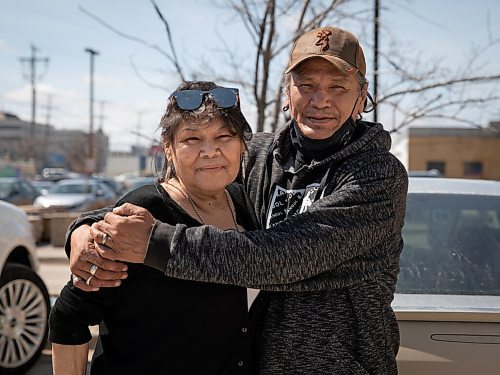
24	300
42	186
448	292
77	195
116	186
17	190
140	181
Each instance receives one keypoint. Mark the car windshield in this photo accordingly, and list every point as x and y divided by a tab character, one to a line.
71	189
452	245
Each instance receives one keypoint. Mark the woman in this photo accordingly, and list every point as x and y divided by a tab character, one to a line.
152	324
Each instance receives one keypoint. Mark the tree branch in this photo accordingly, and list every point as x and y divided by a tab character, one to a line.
175	60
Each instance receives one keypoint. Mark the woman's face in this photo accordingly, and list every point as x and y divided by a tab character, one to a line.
206	156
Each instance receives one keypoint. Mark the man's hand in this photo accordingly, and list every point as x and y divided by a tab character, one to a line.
83	255
128	229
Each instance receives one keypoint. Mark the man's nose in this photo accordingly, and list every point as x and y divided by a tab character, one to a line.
320	99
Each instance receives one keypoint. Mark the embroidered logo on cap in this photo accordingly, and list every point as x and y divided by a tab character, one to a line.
323	39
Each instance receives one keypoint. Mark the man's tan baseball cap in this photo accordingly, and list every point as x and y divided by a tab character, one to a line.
338	46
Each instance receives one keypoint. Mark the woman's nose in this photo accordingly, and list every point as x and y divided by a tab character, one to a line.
209	148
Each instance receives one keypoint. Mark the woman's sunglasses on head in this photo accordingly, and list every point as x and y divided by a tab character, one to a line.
191	99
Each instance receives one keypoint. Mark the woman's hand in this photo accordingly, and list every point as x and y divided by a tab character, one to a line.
84	255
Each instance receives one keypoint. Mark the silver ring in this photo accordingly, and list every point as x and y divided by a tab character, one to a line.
75	278
88	280
105	237
93	269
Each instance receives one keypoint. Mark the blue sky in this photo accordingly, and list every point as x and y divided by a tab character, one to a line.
441	29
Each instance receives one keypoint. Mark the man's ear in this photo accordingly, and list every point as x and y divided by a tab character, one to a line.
360	105
286	102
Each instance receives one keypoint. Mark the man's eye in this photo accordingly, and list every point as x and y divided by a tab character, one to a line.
190	140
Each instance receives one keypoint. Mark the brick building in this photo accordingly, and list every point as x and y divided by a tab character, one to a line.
47	146
455	152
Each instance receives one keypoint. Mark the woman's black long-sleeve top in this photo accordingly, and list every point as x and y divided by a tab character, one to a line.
154	324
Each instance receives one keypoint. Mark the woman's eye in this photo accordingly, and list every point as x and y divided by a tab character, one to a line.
225	137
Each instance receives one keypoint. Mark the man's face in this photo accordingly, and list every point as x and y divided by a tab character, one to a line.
321	98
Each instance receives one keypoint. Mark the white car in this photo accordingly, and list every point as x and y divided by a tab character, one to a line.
24	300
448	293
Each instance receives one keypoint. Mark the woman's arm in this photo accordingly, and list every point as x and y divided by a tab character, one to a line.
70	359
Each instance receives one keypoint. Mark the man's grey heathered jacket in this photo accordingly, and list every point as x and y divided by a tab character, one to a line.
329	273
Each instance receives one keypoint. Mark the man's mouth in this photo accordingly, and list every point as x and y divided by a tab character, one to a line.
320	119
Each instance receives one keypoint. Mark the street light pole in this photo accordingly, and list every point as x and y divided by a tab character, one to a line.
375	56
91	162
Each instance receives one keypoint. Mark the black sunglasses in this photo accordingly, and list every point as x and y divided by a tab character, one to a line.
192	99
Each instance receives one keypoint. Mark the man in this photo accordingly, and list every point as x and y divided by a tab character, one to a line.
332	200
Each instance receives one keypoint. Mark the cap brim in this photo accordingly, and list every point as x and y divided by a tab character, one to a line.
342	65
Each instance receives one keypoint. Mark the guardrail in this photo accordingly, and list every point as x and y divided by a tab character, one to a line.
50	224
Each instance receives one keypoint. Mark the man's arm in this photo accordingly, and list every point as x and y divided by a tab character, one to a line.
353	233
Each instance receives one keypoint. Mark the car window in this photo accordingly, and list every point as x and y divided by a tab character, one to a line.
26	189
452	245
71	189
5	188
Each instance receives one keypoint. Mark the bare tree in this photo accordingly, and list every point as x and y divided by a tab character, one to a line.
415	90
432	91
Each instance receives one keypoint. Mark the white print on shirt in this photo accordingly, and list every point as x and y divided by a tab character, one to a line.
287	203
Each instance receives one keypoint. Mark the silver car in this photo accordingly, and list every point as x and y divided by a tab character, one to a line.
448	293
24	300
77	195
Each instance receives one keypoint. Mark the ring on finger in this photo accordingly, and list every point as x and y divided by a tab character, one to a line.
105	237
75	278
93	269
88	280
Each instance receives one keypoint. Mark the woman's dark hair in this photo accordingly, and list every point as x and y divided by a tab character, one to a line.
208	111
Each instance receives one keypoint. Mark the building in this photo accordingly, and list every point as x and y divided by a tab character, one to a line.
455	152
46	146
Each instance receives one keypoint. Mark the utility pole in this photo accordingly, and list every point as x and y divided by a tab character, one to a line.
33	60
101	116
375	57
48	109
91	161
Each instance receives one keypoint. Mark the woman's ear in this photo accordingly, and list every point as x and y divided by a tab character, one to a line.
168	150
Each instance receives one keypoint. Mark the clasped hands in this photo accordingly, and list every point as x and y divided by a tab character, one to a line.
123	235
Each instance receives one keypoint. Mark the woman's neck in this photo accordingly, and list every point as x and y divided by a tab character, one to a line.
205	201
214	208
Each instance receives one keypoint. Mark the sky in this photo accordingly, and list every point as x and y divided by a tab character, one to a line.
125	104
